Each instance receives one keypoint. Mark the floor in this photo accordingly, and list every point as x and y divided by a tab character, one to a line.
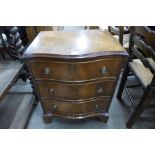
16	106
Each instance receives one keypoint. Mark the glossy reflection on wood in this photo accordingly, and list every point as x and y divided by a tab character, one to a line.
78	71
75	72
75	91
76	108
73	43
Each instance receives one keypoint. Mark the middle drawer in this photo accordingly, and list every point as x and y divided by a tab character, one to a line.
81	91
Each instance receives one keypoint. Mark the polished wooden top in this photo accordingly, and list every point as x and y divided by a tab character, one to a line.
73	43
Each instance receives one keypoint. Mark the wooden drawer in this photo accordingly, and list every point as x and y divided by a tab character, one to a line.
77	108
56	106
100	104
75	91
76	71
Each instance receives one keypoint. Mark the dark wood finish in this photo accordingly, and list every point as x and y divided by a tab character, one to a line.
2	51
48	117
96	105
102	116
3	45
80	71
117	30
122	33
76	107
10	72
91	27
73	45
32	31
16	41
13	47
74	91
142	64
75	73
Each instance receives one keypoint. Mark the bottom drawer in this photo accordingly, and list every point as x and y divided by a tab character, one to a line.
92	106
56	106
63	107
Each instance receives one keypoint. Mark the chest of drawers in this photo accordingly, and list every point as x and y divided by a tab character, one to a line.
75	73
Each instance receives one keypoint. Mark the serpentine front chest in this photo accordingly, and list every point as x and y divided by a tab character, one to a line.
75	72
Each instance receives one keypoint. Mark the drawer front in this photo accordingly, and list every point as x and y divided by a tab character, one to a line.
92	106
77	108
77	71
75	91
56	106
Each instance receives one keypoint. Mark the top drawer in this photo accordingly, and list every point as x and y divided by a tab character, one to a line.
75	71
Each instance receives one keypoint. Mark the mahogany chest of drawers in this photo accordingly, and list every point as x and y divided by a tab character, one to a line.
75	72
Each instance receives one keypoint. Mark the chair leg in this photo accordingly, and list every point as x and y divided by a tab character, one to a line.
121	29
122	82
2	54
139	108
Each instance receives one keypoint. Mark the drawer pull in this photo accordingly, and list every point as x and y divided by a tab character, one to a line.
51	91
104	70
96	106
54	107
100	90
46	71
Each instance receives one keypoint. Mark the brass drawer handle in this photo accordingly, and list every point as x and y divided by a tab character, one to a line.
51	91
54	107
96	106
46	71
100	90
104	70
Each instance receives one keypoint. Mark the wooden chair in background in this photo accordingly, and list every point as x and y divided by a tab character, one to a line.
121	33
2	50
142	64
32	31
91	27
11	69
